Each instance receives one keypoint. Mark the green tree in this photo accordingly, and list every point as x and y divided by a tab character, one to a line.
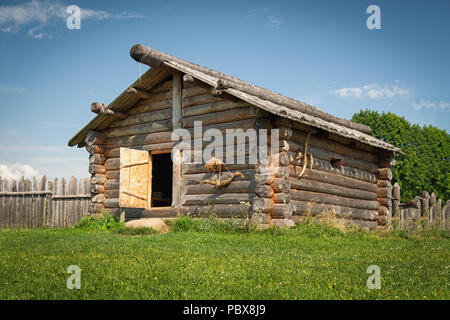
426	162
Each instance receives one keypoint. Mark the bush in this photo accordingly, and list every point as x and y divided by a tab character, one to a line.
426	162
100	222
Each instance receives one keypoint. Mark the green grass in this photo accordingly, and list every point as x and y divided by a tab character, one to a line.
211	259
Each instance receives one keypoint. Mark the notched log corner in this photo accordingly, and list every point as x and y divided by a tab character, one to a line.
101	108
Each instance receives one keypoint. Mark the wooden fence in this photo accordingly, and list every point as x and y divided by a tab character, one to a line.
424	211
54	203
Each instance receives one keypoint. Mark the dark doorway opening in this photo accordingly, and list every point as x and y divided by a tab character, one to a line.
162	180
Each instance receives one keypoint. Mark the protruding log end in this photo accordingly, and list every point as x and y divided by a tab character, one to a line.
145	55
97	107
101	108
138	92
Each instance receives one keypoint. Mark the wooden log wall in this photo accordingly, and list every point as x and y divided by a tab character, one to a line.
219	113
147	127
344	179
54	203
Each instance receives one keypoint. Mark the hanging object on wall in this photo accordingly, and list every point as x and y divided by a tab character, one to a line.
216	165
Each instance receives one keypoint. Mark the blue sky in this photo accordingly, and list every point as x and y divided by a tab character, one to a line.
319	52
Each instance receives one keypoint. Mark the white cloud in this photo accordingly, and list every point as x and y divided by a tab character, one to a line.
264	14
372	91
36	15
17	170
427	104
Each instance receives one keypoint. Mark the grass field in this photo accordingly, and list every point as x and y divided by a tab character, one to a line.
198	261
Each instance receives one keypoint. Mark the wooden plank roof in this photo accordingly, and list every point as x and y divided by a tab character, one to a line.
163	64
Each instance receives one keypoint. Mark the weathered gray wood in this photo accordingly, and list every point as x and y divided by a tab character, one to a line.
315	186
103	109
152	57
308	208
139	129
322	165
323	198
144	117
94	138
225	198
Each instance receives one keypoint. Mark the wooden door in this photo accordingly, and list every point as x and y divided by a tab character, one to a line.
135	179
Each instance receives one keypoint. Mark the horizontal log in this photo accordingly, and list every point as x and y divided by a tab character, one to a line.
97	159
113	174
196	178
331	156
262	205
142	118
383	211
387	163
112	193
281	172
166	147
162	87
97	188
322	165
96	208
152	106
140	139
264	178
309	208
384	193
92	149
383	220
156	97
112	184
226	198
282	211
385	202
385	174
219	117
194	91
236	186
188	168
335	148
384	184
98	198
200	99
111	203
139	93
281	185
335	179
145	128
219	210
315	186
212	108
96	169
98	178
103	109
264	191
112	164
95	137
330	199
223	127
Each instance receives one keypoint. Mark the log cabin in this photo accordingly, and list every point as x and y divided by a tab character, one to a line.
323	163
